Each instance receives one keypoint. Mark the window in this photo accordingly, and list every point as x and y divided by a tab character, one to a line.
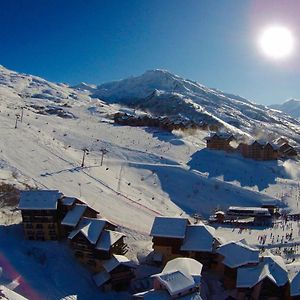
39	226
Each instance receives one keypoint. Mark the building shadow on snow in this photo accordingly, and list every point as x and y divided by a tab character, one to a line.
233	167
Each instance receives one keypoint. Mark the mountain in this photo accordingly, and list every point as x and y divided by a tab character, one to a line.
163	93
145	172
290	107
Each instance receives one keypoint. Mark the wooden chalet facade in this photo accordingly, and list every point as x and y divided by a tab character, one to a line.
220	141
73	210
41	214
94	241
176	237
259	151
116	274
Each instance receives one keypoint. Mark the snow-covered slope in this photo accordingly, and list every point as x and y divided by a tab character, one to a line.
164	93
146	172
290	107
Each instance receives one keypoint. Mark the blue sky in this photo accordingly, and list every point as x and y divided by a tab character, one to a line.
213	42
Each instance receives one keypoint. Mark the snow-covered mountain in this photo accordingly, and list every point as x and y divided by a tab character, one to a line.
290	107
163	93
146	172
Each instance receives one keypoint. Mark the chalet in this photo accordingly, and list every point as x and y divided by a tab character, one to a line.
168	234
176	237
259	150
95	240
285	149
180	279
294	281
117	273
199	242
219	141
73	213
41	214
266	280
233	255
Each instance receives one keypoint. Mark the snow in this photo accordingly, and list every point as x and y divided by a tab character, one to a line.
117	260
175	282
73	216
7	294
180	274
198	238
37	200
107	239
169	227
146	172
101	277
68	201
188	266
294	278
237	254
290	106
271	267
90	228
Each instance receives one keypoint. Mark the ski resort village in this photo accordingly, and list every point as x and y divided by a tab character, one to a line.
151	187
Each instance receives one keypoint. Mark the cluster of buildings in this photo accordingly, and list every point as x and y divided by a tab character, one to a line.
258	150
260	216
166	123
241	267
49	215
186	251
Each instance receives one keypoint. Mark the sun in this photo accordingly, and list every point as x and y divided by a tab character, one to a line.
277	42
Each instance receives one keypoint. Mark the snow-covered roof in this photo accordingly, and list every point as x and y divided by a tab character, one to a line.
108	238
39	200
221	135
271	267
187	266
164	295
198	238
115	261
170	227
176	282
7	294
248	208
90	228
74	215
68	201
294	278
101	278
237	254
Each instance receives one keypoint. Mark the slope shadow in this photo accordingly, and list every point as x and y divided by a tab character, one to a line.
44	270
195	193
164	136
233	167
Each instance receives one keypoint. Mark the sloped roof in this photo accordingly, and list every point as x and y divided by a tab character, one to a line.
74	215
90	228
108	238
271	267
164	295
115	261
68	201
294	278
198	238
101	278
8	294
187	266
237	254
176	282
39	200
180	274
169	227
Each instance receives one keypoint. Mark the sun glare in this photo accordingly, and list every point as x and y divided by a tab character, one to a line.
276	42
